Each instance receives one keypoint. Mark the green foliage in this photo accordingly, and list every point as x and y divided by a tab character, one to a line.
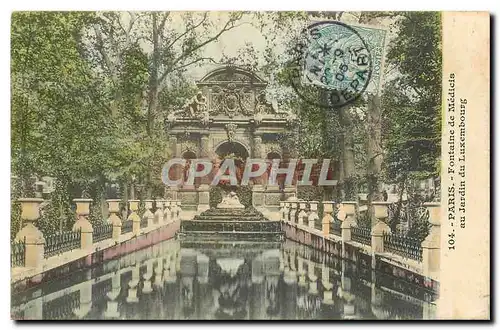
412	101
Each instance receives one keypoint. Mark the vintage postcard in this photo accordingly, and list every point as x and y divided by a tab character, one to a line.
250	165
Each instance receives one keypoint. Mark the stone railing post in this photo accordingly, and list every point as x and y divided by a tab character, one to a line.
34	241
293	212
327	217
286	211
345	226
167	213
147	288
114	219
158	219
313	285
134	217
313	215
82	222
381	227
350	211
112	306
282	210
432	243
132	291
173	210
301	272
179	209
302	216
148	204
325	280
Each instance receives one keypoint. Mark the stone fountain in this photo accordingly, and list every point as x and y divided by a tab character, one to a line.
231	220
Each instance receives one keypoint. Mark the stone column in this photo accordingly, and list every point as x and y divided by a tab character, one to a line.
167	213
134	217
203	198
114	219
132	291
313	215
33	237
82	223
159	272
158	219
432	243
302	216
173	210
204	188
147	277
327	217
381	227
301	272
175	152
325	280
313	285
148	214
112	306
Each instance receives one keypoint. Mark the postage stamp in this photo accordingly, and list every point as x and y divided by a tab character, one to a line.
342	61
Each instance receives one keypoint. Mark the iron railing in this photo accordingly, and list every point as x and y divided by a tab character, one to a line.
361	235
17	253
407	247
62	242
62	308
102	232
100	290
127	226
336	228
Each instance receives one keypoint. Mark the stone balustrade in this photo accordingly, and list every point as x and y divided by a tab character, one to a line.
375	240
36	248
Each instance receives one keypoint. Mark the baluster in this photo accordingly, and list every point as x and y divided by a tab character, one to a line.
114	219
134	217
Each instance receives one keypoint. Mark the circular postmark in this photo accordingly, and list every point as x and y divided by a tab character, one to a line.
331	66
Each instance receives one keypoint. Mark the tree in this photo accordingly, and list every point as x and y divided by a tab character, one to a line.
412	100
60	127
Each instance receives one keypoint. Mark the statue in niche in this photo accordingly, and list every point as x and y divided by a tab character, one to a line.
231	201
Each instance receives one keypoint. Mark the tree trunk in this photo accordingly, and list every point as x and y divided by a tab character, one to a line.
374	150
349	186
153	78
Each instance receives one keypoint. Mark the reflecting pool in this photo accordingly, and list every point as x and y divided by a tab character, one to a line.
189	280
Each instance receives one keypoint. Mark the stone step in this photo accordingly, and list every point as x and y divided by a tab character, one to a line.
229	236
227	218
225	226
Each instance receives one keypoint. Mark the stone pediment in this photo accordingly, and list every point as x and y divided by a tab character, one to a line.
230	93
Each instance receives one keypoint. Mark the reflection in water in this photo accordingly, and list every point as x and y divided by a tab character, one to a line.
183	280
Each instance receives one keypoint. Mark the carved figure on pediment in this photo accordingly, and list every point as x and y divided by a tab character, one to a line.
247	103
262	105
197	104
